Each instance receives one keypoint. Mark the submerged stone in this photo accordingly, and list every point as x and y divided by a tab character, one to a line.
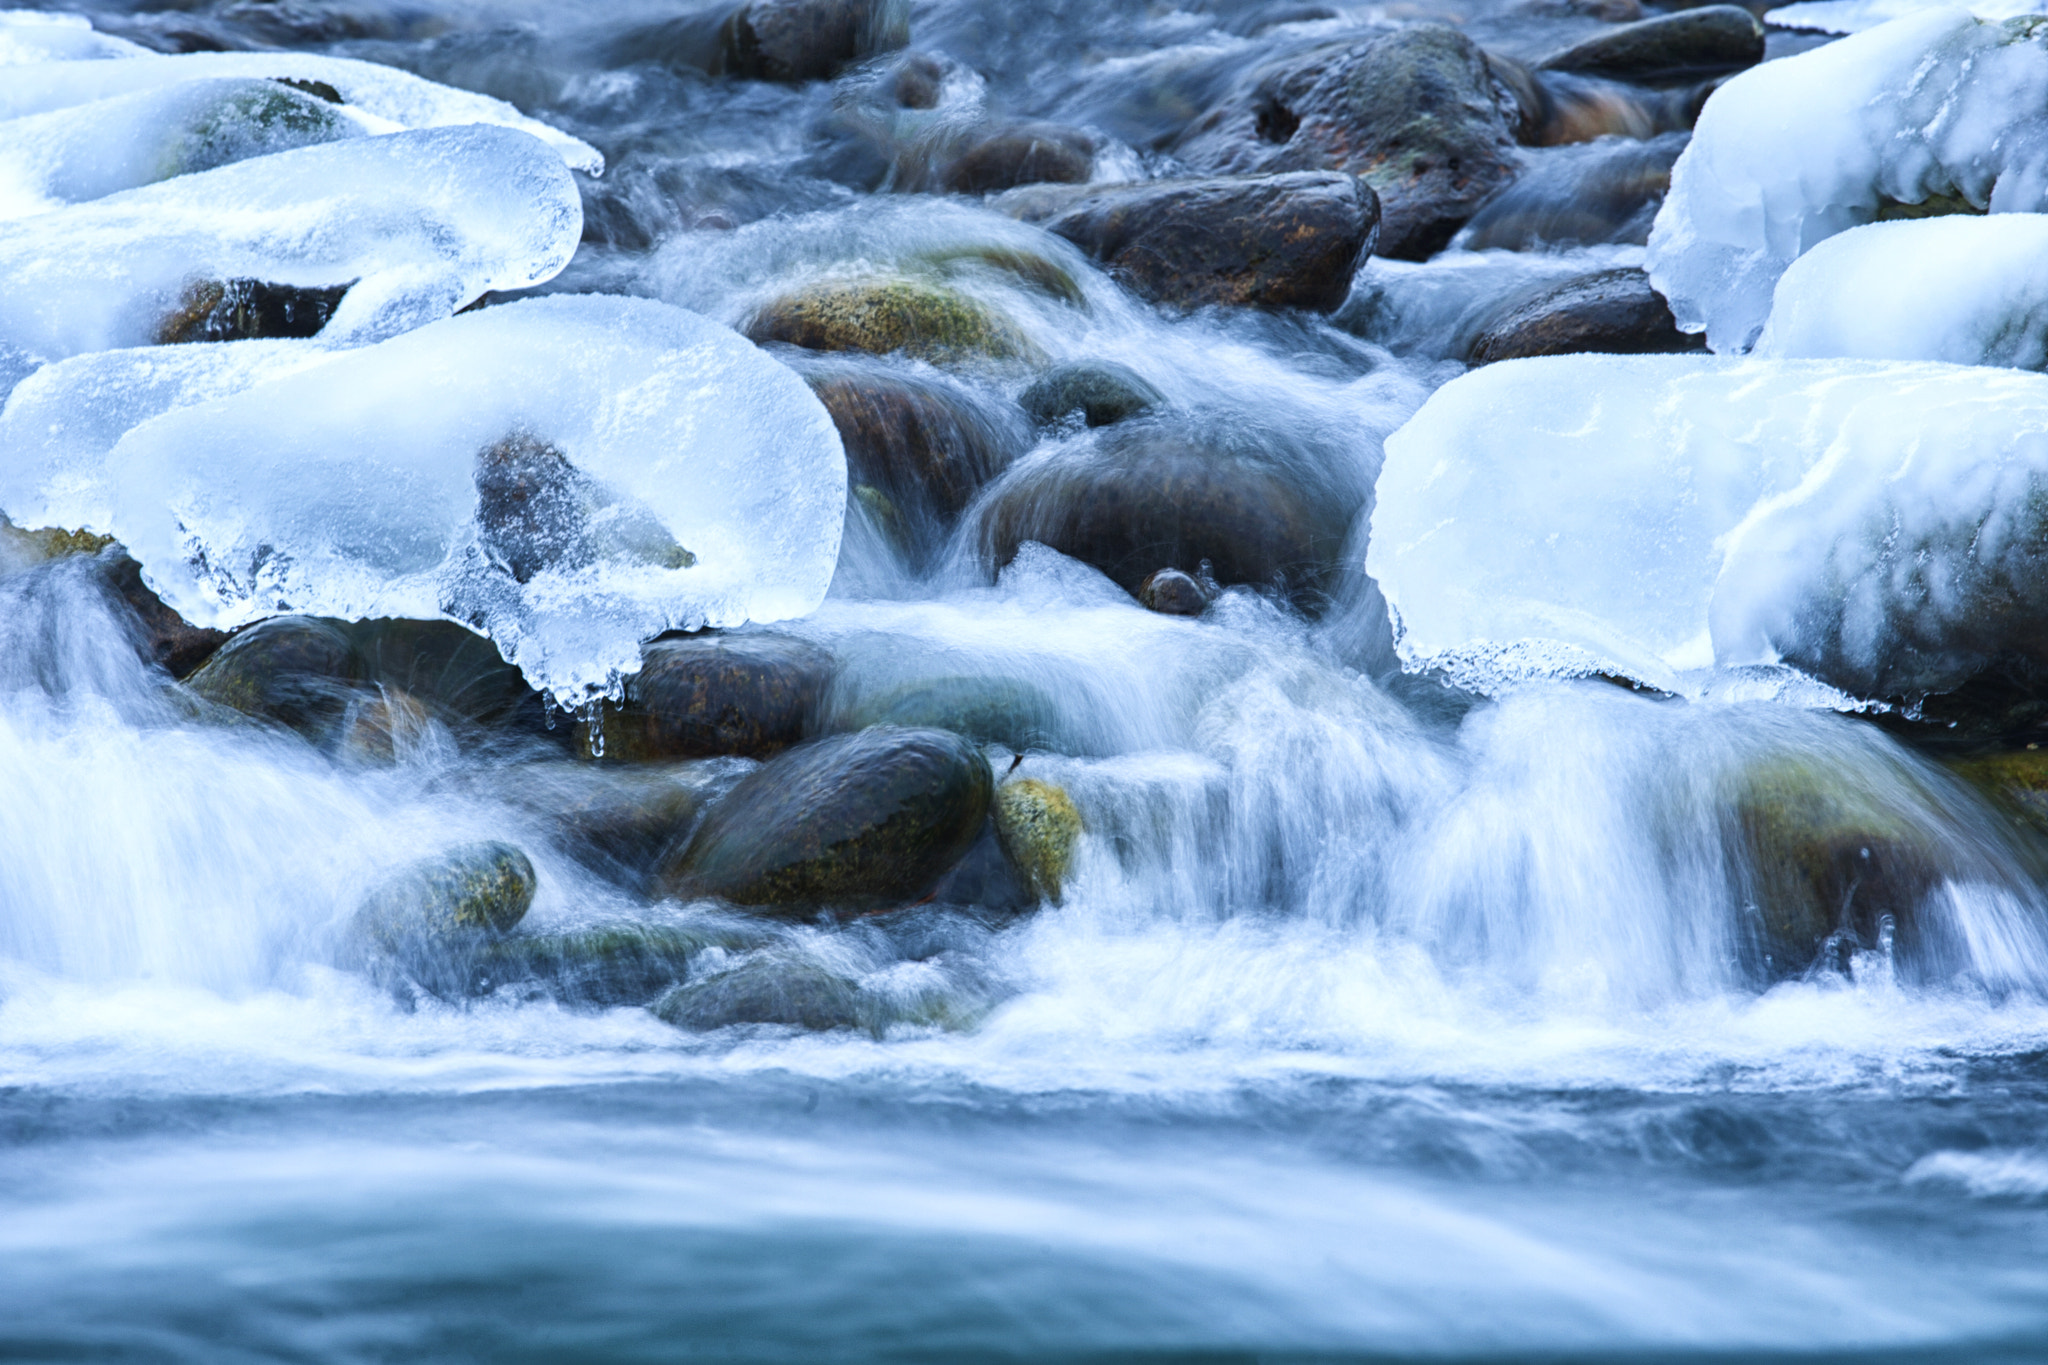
886	314
1008	711
1102	391
1173	593
809	40
602	966
431	921
1009	155
297	671
767	989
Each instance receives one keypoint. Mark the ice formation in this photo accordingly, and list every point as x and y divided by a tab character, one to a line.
384	92
88	151
571	475
1854	16
413	226
1965	289
1938	106
29	36
1877	524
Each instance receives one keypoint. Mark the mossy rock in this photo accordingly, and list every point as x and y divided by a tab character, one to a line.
887	314
239	119
856	820
2016	783
697	696
431	920
1038	826
603	966
296	671
766	989
35	547
1102	391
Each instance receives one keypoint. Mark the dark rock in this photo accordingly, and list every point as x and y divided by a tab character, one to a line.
1418	113
765	989
162	637
451	670
984	879
809	40
1003	157
1272	241
872	817
914	82
384	727
430	921
537	511
1560	107
319	90
1008	711
1615	312
1173	593
614	819
605	966
247	310
1580	196
883	314
1143	495
1102	391
1013	264
701	695
298	671
1714	38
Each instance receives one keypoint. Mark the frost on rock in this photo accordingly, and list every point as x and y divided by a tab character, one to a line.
357	241
1939	111
1882	526
1964	289
570	475
405	100
29	36
92	150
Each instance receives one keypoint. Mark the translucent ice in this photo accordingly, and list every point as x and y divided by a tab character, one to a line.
1938	106
413	226
28	36
1965	289
91	150
1854	16
405	99
570	475
1877	524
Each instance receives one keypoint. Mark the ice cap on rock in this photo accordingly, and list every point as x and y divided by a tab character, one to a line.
30	36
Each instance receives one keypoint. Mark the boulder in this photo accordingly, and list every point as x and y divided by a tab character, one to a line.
384	727
615	819
247	310
429	922
1686	45
602	966
1271	241
297	671
808	40
1102	391
1038	826
1611	311
869	818
889	313
1008	711
915	80
696	696
1579	196
2016	783
162	637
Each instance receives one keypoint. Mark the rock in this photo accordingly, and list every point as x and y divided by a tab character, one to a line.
696	696
2016	783
1006	156
765	989
1173	593
19	548
1020	265
866	818
1714	38
384	727
1270	241
884	314
915	81
1581	196
247	310
606	966
298	671
985	880
1007	711
1102	391
450	670
1561	107
538	512
809	40
1038	826
431	920
1612	311
1418	112
614	819
1143	495
162	637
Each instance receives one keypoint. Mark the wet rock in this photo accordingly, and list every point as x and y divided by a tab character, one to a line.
885	314
161	635
20	547
257	118
1144	495
2016	783
1418	112
1580	196
1102	391
1933	206
603	966
766	989
384	727
538	512
700	695
1713	38
1006	156
985	879
297	671
809	40
1038	826
873	817
430	921
615	820
1613	311
1560	107
1270	241
1173	593
915	81
1011	264
450	670
247	310
1008	711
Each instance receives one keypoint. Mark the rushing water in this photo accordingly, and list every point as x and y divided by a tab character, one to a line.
1375	1023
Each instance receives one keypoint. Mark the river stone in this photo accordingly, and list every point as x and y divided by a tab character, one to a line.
1418	113
1006	156
1151	496
1038	825
872	817
885	314
383	727
915	80
431	920
449	669
1269	241
1102	391
247	310
1035	270
162	637
615	819
295	670
604	966
2016	783
1611	311
535	512
1561	107
1008	711
1579	198
766	989
1713	38
809	40
696	696
1173	593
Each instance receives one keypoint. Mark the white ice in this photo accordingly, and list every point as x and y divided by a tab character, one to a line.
1965	289
88	151
385	92
29	36
1854	16
1791	152
351	489
421	223
1875	523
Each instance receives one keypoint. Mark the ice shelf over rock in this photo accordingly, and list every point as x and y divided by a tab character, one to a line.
365	238
88	151
30	36
1969	290
570	475
1938	111
1877	524
385	92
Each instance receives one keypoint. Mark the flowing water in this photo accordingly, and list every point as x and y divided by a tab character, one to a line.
1378	1021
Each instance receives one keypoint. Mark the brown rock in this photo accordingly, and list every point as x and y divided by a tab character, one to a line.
1615	312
